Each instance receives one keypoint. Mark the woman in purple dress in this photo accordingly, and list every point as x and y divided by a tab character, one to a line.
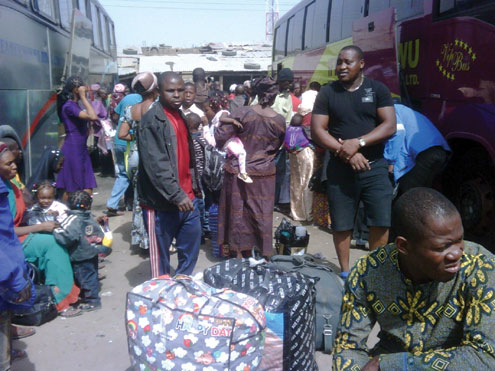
77	172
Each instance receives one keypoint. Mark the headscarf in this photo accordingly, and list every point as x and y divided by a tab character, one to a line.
119	88
144	83
45	170
3	147
266	89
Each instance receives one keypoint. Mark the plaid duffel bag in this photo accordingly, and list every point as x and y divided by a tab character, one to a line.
183	324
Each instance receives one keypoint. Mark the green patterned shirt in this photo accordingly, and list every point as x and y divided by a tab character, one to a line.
434	326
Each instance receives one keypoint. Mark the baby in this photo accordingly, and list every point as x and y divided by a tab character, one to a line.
46	207
234	146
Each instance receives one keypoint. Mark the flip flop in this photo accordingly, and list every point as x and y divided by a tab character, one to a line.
22	332
70	312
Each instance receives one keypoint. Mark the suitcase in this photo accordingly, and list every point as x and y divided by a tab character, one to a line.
289	301
183	324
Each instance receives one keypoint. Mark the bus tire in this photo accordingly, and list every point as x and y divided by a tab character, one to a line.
470	183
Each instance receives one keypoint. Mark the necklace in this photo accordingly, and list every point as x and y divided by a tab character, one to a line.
356	88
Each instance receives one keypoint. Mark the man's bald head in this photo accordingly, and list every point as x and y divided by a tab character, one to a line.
172	90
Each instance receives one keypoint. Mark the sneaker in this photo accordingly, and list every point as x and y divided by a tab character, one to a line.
244	177
89	307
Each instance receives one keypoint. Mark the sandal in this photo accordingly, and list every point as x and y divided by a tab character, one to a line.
89	307
70	312
22	332
16	354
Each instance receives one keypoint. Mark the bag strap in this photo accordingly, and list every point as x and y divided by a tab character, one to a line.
327	334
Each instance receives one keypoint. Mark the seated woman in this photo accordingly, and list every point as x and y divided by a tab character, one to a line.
40	247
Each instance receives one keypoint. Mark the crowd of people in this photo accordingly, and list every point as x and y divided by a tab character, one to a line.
321	154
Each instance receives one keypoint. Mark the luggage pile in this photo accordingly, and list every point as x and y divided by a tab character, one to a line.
246	315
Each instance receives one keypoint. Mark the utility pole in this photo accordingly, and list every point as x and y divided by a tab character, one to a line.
272	14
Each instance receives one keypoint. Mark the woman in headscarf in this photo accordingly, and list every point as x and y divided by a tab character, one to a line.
245	215
77	174
38	242
50	163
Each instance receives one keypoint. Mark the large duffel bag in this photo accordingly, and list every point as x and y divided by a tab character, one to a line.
183	324
289	301
329	290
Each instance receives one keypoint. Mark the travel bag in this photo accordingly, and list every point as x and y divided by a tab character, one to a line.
329	290
289	302
183	324
43	310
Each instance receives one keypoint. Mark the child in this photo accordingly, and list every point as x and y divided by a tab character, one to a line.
46	208
234	146
82	236
194	122
302	158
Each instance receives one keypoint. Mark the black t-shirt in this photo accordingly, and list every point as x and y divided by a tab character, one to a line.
354	114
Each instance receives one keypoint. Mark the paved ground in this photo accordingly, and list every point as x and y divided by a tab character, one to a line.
97	341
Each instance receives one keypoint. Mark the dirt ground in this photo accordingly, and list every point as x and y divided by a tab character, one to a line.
97	340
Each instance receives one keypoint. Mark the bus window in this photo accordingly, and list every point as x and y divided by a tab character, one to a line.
407	9
111	33
65	7
81	5
309	25
104	31
280	34
351	11
335	27
294	33
378	5
45	7
23	2
96	26
481	9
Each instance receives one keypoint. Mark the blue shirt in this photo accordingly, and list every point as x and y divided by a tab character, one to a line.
12	264
128	100
415	133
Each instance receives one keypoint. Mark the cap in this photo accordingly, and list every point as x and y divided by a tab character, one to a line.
285	74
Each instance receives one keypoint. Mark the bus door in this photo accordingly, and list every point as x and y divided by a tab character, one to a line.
375	35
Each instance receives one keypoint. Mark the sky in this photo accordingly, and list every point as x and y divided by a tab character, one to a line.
186	23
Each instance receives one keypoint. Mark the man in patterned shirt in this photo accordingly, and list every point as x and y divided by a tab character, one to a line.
432	293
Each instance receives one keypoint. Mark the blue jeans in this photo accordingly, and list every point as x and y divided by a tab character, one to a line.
199	204
122	181
185	227
86	275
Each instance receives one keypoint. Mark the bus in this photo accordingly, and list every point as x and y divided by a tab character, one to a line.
42	42
436	55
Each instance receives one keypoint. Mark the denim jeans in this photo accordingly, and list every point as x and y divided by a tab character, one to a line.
185	227
5	341
86	275
199	204
122	181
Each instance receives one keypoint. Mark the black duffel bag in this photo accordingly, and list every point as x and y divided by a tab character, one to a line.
42	311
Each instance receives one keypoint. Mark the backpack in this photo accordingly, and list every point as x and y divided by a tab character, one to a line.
329	290
289	302
213	171
42	311
182	323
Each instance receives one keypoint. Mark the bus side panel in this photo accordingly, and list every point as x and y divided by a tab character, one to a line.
24	62
375	35
13	110
59	45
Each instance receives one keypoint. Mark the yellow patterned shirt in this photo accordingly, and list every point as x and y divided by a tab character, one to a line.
432	326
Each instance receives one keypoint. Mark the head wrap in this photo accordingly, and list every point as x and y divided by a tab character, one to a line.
266	89
119	88
247	84
285	74
3	147
144	83
232	88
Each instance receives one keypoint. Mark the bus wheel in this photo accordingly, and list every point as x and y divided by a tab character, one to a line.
473	190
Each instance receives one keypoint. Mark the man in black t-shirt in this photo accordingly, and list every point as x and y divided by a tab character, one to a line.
352	117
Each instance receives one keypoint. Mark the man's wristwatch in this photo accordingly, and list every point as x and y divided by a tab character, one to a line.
362	142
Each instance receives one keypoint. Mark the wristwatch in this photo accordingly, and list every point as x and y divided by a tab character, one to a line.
362	142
